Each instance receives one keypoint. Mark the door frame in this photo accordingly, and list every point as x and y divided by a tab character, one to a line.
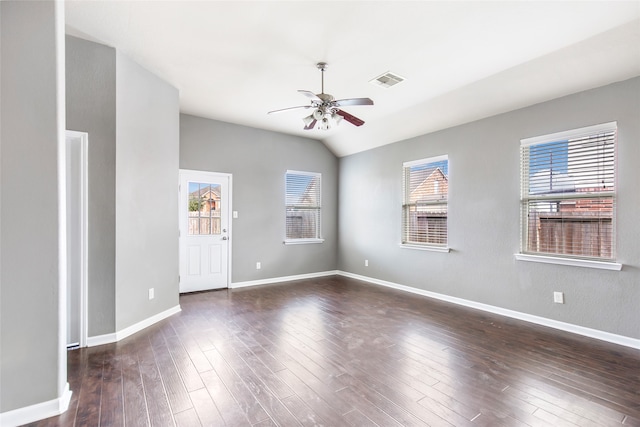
228	210
83	138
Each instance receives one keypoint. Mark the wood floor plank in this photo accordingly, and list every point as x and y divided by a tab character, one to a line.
560	412
334	351
188	418
266	423
174	387
316	386
328	408
376	414
275	385
259	345
465	410
228	407
491	420
358	419
305	415
205	408
158	407
112	403
197	356
136	412
182	360
260	391
570	403
251	408
631	421
89	401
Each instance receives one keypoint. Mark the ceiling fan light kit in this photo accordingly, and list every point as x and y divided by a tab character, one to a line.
326	108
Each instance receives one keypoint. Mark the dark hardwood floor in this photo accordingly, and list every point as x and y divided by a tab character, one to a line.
339	352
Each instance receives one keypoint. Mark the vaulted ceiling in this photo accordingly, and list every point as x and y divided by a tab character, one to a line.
236	60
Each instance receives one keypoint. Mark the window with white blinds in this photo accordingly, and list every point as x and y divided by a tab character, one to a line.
425	202
568	193
303	207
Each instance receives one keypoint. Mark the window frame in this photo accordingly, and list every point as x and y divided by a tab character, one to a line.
526	199
304	240
406	203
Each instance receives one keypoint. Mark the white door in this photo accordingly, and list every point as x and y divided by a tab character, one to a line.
76	201
205	204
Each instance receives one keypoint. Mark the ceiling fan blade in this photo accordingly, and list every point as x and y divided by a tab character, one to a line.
353	101
287	109
311	125
312	96
350	118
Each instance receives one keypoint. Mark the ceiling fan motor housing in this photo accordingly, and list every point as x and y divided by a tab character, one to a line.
325	97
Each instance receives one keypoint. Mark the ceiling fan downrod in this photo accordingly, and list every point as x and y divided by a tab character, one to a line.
322	66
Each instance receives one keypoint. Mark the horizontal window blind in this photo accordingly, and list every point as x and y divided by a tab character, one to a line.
425	202
568	193
303	205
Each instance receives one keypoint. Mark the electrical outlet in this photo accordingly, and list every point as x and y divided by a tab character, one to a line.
558	297
366	263
258	265
152	293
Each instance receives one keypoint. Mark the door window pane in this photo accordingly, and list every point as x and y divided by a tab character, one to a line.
204	208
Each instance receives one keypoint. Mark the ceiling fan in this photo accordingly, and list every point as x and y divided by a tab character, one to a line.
326	108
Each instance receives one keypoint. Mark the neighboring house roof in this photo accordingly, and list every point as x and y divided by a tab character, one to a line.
419	176
208	191
310	195
427	187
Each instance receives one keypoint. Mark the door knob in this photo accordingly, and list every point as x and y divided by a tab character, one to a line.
224	237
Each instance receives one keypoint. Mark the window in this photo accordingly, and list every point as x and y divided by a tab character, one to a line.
204	208
424	206
303	207
568	193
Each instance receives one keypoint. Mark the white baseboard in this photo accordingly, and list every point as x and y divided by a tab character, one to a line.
124	333
282	279
101	339
543	321
38	411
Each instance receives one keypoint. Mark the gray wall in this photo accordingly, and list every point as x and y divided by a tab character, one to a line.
91	108
33	367
131	117
484	231
147	140
258	160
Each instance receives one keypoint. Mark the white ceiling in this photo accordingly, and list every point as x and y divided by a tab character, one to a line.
462	61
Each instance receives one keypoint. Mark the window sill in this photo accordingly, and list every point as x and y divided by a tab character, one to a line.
302	241
603	265
426	248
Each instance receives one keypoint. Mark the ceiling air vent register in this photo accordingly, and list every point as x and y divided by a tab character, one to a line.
387	80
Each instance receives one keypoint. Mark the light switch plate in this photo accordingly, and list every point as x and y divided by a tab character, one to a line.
558	297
